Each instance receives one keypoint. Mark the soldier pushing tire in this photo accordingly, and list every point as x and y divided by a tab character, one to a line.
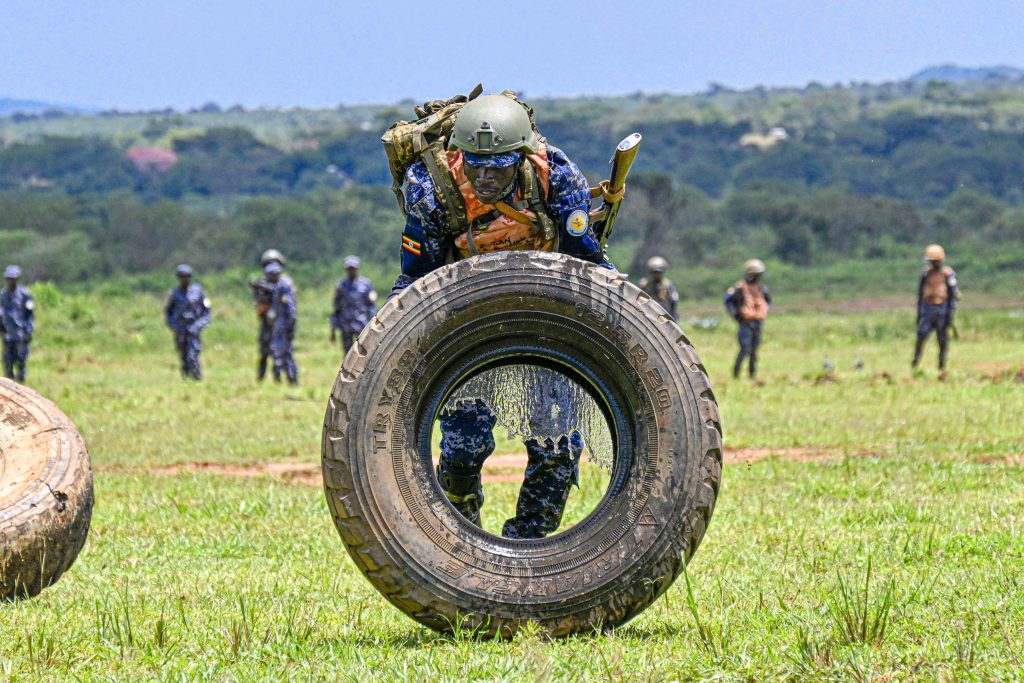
554	311
45	492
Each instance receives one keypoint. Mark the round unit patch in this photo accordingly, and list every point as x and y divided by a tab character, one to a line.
577	222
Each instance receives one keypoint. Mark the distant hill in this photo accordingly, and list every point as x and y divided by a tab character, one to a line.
11	106
958	74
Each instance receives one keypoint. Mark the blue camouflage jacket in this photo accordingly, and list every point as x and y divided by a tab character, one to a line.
354	304
283	307
17	316
427	243
187	310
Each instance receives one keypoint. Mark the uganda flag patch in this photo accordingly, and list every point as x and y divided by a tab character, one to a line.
411	245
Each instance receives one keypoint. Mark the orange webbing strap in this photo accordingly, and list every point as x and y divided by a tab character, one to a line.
604	192
517	216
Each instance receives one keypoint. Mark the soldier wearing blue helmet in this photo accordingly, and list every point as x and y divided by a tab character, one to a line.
17	323
187	314
282	317
355	302
510	191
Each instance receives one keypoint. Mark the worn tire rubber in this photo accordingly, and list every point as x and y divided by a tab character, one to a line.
410	542
45	492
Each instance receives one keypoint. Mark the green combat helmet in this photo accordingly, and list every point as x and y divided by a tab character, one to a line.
493	124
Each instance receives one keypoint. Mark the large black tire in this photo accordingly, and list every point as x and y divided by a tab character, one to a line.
45	492
550	309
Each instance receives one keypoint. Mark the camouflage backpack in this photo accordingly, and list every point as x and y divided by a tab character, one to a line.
426	139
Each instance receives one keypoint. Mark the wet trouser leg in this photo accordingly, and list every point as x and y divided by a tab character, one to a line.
550	473
466	442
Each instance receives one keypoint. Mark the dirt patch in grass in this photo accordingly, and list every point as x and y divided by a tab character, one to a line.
498	468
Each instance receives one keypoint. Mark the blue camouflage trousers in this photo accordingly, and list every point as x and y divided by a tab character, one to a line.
552	468
189	348
281	347
15	359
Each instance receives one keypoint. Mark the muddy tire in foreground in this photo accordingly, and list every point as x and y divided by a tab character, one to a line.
45	492
554	311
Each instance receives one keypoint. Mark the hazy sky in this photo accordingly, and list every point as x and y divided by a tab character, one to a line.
181	53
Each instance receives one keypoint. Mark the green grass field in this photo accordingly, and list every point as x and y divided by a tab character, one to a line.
868	528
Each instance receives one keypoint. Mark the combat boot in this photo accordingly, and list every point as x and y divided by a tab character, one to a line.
464	490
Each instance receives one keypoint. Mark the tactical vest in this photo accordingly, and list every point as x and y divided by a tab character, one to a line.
518	226
755	305
936	286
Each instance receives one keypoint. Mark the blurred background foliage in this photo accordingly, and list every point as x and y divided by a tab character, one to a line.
838	187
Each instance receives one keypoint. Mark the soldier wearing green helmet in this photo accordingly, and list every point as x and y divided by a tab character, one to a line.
659	287
495	185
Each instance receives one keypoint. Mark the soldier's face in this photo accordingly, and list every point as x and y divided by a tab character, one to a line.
352	272
12	282
489	183
184	280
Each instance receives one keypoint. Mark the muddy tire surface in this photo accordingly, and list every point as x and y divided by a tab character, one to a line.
45	492
549	309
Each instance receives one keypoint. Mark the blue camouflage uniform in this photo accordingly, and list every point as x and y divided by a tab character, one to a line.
354	305
18	323
282	317
935	317
467	440
188	313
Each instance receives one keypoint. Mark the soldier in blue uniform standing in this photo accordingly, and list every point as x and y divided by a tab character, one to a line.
262	293
282	316
937	294
519	193
17	323
188	313
355	302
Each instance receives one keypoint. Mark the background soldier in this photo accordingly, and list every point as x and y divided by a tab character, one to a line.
188	313
17	322
282	316
354	303
748	302
262	293
659	287
936	303
492	147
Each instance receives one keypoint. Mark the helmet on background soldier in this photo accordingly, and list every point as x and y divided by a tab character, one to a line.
753	268
12	272
272	255
183	270
657	264
492	125
934	252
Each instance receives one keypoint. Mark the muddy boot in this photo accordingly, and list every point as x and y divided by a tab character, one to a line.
464	490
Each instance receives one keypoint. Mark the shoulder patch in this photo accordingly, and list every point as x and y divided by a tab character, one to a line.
577	222
30	305
372	297
206	301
